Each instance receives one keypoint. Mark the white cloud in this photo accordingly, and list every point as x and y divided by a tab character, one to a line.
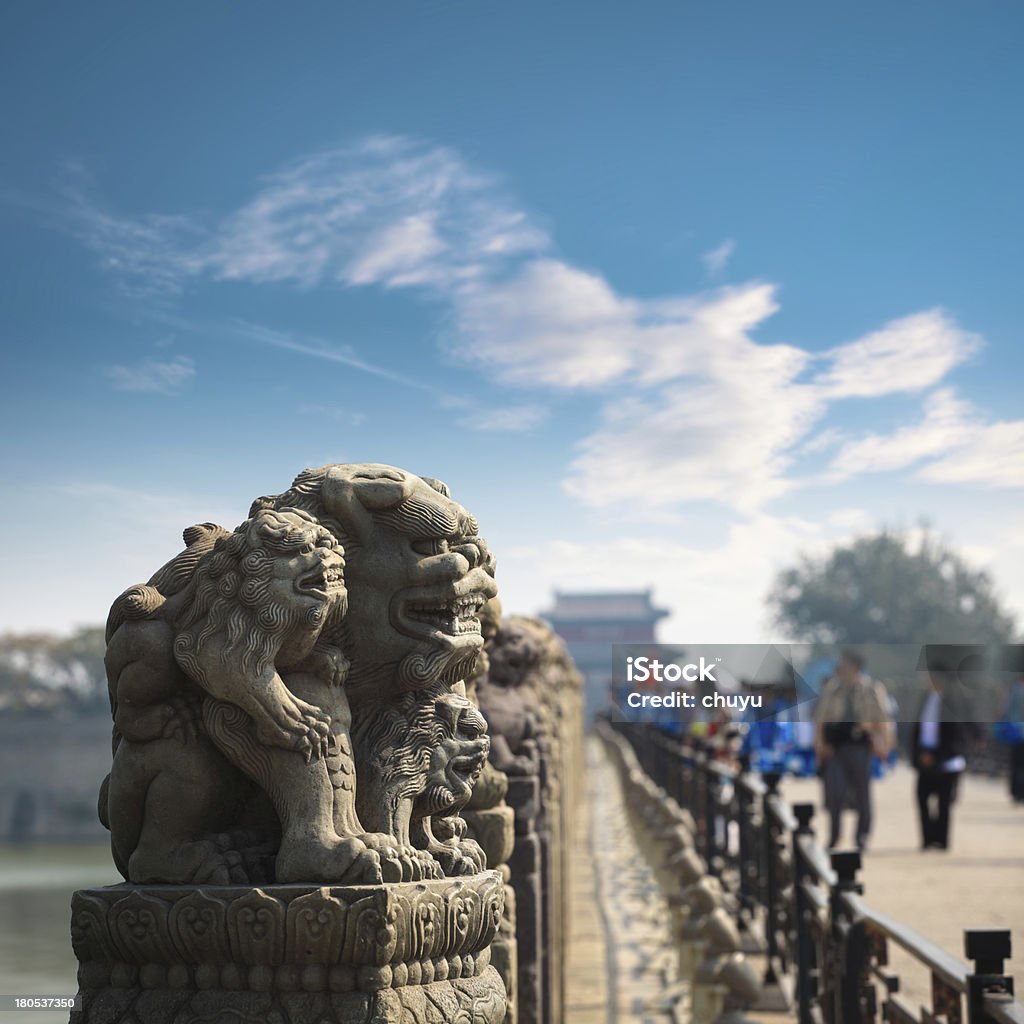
387	211
152	376
149	255
953	442
550	324
718	258
909	354
821	442
400	254
945	420
990	456
723	439
715	592
558	326
693	407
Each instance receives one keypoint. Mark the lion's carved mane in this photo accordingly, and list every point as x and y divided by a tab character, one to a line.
235	610
227	600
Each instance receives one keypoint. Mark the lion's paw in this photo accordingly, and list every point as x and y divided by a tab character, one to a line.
402	863
426	866
340	861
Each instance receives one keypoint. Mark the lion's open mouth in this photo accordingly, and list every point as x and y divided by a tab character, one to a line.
454	617
469	764
322	580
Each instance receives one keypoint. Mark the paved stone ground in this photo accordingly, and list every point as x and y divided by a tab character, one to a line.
978	883
587	965
621	961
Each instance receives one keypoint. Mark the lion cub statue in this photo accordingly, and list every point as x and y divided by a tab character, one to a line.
232	760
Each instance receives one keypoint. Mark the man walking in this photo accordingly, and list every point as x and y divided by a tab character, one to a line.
852	722
939	742
1010	730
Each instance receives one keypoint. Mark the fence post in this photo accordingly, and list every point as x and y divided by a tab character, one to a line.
705	815
695	785
849	945
679	772
747	852
806	990
988	950
769	852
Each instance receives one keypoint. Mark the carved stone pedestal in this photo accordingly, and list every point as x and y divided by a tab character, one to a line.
400	953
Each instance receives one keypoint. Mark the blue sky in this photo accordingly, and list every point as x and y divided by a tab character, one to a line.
668	293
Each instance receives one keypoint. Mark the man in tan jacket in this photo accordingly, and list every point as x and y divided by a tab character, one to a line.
852	723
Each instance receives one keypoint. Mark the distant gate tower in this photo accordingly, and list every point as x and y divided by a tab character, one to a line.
590	623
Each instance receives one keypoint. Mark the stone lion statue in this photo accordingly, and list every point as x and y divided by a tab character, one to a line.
418	760
240	671
509	701
418	574
230	721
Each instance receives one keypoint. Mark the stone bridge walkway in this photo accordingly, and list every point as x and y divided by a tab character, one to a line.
979	883
621	962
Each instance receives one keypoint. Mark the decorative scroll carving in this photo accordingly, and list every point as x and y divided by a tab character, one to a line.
90	937
139	924
256	924
363	926
315	928
198	925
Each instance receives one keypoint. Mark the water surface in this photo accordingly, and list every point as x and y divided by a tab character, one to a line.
36	883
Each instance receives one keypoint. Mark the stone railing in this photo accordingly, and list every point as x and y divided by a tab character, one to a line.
746	876
531	697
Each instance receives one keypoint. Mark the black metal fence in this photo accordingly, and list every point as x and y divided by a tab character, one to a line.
826	949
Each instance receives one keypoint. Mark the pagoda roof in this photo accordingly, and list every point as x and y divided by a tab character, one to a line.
602	606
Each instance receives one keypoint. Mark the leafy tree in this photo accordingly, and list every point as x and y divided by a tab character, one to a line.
882	589
41	672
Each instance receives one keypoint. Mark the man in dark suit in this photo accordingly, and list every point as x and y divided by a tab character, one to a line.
940	739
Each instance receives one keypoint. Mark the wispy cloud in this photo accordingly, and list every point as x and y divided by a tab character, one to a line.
513	418
952	443
152	375
909	354
149	255
693	406
387	211
319	348
349	417
716	260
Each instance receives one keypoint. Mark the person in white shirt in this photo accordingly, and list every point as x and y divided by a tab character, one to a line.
939	743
